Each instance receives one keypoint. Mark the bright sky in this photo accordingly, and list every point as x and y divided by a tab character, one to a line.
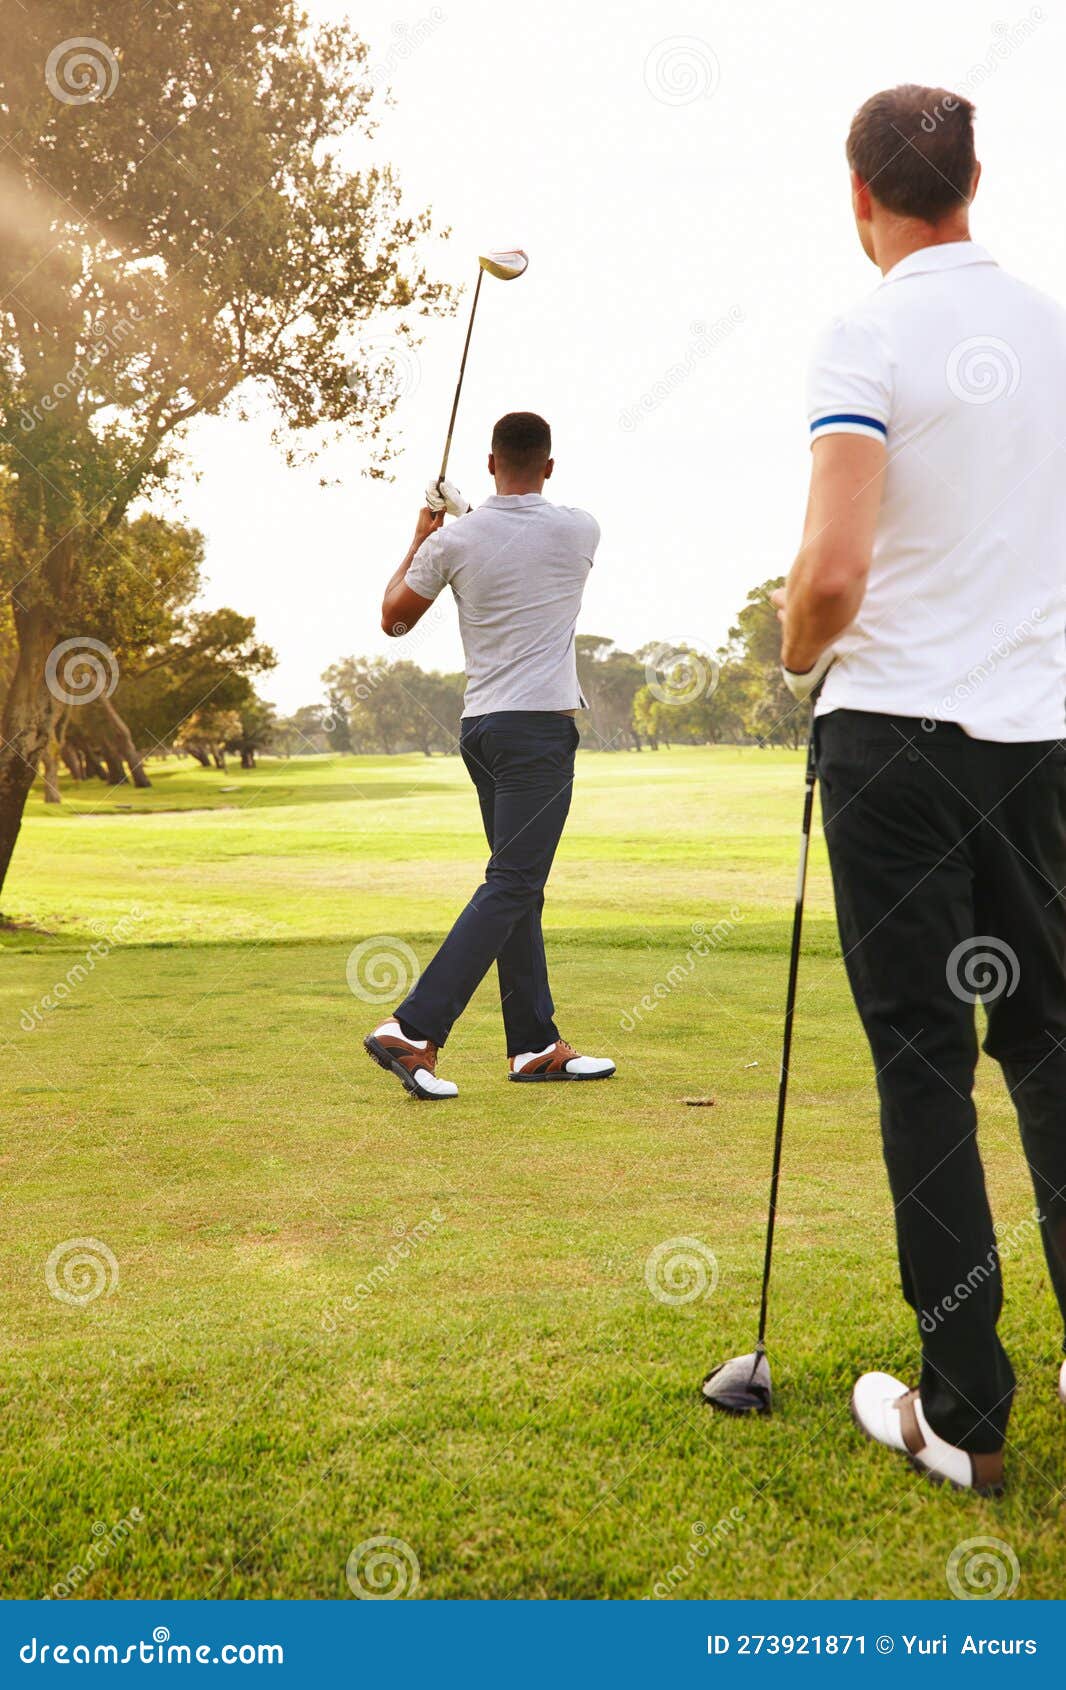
676	173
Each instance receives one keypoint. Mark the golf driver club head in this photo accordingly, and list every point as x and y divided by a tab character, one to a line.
505	266
741	1386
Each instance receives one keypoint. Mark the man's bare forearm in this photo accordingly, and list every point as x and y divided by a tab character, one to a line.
819	606
827	583
427	524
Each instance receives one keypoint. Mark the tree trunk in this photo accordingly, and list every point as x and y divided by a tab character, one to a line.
116	774
247	759
29	711
200	753
125	740
70	758
90	765
220	760
73	759
93	767
50	769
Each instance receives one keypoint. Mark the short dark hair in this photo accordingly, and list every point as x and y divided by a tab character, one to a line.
522	441
913	147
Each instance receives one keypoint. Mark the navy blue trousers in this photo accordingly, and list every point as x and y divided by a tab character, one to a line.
522	764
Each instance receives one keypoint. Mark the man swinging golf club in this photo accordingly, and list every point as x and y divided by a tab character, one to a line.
932	577
517	568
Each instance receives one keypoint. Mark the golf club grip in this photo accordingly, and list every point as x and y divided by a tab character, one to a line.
459	383
790	1011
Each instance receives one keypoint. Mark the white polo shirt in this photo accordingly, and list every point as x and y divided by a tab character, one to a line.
961	370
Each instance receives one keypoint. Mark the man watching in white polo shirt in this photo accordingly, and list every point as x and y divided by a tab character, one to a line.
517	568
930	593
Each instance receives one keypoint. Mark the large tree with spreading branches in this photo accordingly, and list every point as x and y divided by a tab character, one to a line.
176	227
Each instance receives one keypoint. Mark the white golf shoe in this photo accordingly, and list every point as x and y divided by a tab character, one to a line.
413	1061
891	1414
1062	1382
559	1061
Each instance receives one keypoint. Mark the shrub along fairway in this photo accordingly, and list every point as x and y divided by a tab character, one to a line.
332	1313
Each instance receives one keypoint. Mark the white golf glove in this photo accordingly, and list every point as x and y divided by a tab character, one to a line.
801	686
447	497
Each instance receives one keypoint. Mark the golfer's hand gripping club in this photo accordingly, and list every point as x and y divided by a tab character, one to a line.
804	685
445	496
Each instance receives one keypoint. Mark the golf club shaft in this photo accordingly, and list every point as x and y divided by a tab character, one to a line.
459	383
790	1011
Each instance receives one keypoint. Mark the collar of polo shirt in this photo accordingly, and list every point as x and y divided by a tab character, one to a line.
949	255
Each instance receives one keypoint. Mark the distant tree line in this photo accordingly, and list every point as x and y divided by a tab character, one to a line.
158	678
665	693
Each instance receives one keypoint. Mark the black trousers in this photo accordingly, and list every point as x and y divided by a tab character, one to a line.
522	764
949	866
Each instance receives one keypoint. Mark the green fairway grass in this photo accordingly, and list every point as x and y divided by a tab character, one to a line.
330	1313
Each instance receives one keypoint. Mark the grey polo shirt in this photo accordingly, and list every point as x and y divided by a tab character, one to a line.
517	567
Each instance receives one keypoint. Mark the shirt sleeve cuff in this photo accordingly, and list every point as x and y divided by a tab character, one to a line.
848	422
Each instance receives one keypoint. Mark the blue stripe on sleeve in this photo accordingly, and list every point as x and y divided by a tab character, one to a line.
851	417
